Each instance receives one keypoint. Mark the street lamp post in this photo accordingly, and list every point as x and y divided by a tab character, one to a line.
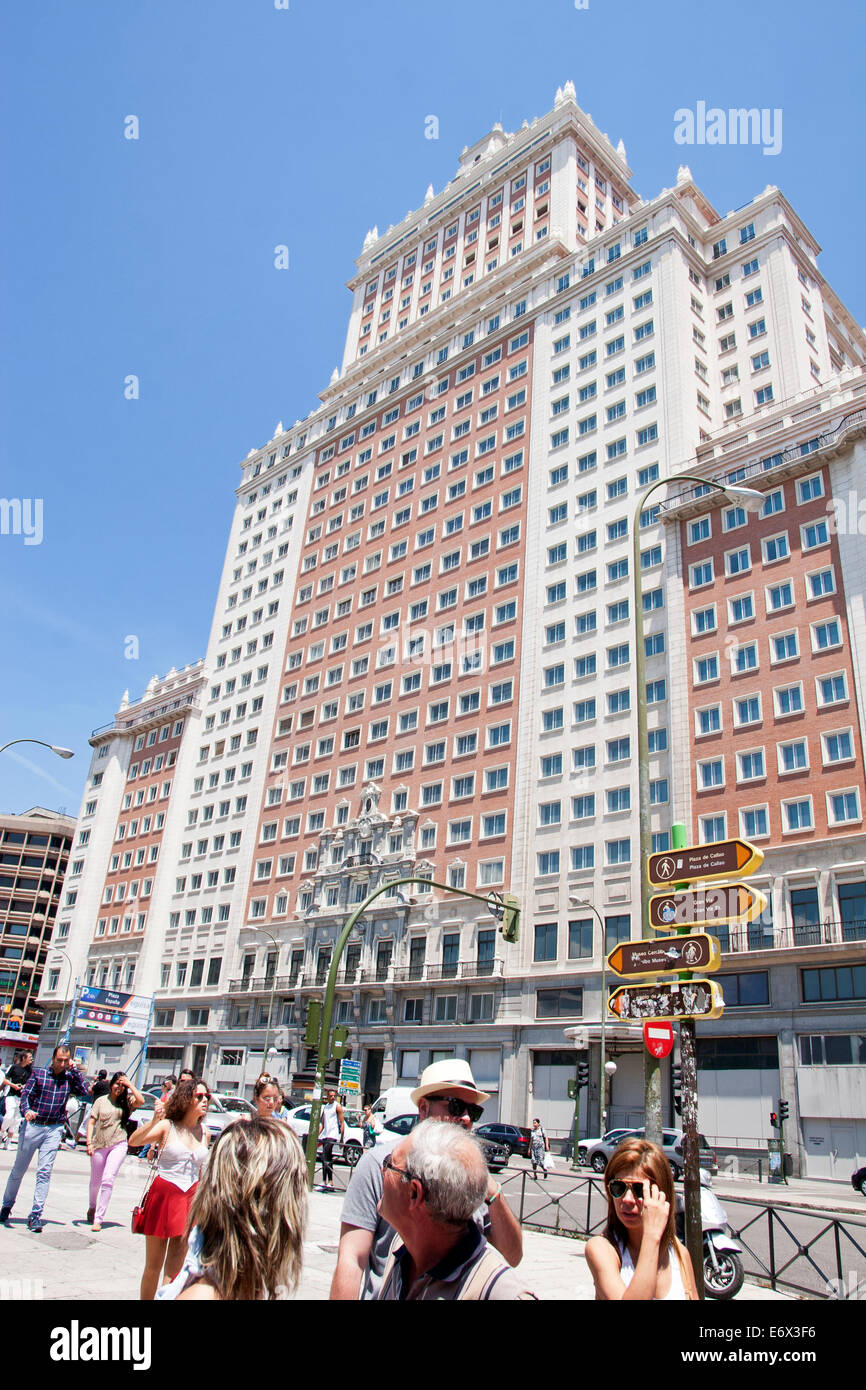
504	907
61	752
273	988
61	950
752	501
584	902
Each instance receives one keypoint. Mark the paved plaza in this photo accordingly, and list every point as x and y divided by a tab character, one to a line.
68	1261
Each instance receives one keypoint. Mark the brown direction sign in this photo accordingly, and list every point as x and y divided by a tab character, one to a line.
666	954
725	859
703	907
679	999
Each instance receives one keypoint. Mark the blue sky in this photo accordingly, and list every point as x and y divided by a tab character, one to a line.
155	257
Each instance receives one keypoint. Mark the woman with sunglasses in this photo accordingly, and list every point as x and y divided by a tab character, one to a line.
108	1129
182	1139
267	1097
639	1256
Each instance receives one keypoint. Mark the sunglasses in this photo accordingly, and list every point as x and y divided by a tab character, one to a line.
202	1095
391	1167
617	1188
458	1108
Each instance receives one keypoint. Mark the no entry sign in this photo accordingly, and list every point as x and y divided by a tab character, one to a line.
659	1038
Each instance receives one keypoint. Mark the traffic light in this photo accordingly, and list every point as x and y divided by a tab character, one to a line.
783	1110
774	1119
582	1074
511	919
677	1084
338	1043
314	1023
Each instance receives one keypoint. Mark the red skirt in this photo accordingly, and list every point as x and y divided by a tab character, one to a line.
166	1209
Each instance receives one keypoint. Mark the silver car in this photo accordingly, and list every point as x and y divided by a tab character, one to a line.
673	1141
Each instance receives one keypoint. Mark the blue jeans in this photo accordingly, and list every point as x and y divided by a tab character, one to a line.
41	1139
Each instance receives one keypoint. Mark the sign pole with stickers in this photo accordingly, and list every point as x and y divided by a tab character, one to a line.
691	1163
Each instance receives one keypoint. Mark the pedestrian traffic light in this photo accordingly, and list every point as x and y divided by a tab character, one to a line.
314	1023
582	1074
677	1085
774	1119
338	1043
783	1110
511	919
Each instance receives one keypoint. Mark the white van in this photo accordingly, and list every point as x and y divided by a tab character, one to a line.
396	1100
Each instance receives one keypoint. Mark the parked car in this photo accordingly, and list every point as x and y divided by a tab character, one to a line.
513	1137
586	1146
350	1152
673	1142
220	1112
858	1181
236	1105
497	1154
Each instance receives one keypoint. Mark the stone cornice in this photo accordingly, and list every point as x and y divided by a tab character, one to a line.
544	131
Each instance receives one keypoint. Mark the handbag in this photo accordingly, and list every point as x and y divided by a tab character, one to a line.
138	1212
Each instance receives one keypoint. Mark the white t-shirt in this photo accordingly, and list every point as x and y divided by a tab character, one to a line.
330	1122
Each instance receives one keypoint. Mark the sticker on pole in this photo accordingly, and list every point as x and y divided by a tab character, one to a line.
658	1038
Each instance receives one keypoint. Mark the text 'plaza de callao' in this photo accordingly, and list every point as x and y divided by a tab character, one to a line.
421	662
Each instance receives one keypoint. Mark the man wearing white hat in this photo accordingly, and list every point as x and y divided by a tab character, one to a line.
447	1091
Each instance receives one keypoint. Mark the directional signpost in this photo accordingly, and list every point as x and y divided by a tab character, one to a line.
665	955
704	907
679	999
720	860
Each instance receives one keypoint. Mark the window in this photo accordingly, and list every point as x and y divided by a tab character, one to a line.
797	815
558	1003
545	941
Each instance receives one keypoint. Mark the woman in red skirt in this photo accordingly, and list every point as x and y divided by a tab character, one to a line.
178	1128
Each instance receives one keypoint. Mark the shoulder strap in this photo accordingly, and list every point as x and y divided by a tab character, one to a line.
483	1276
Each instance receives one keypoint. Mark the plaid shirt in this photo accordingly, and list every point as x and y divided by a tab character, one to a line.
47	1095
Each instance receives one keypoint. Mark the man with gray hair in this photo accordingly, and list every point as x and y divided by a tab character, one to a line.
433	1182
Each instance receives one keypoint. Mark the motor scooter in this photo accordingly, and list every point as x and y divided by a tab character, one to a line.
723	1266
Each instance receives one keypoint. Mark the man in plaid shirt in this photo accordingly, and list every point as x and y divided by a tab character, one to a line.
43	1108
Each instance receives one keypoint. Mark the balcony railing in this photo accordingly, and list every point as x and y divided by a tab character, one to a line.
851	424
263	984
758	938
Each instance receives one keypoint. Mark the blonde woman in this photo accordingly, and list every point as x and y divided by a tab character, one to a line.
248	1217
639	1257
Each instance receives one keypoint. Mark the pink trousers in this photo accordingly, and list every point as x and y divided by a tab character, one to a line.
104	1167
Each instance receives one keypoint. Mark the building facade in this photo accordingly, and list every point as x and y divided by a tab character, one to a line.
34	855
421	662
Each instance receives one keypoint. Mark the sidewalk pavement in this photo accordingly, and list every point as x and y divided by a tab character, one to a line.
68	1261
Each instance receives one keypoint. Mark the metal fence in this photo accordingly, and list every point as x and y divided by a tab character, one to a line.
789	1248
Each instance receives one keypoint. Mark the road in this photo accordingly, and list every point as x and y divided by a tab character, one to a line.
776	1223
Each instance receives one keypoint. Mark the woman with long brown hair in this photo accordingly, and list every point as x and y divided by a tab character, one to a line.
182	1139
267	1096
639	1256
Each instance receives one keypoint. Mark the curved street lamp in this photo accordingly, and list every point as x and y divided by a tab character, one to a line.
752	501
55	748
273	942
